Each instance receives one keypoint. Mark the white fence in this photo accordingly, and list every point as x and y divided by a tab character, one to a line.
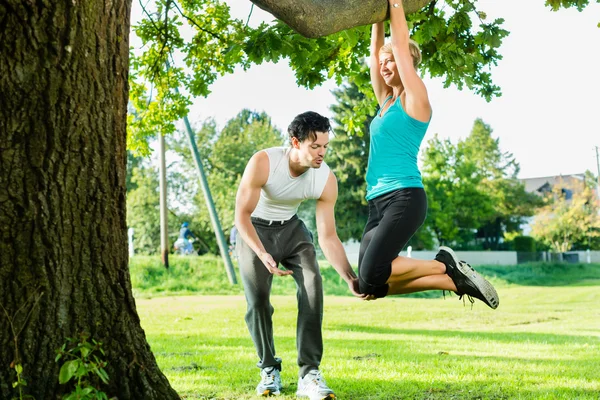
475	257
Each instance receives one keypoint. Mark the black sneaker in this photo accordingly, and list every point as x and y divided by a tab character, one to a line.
467	281
447	257
471	284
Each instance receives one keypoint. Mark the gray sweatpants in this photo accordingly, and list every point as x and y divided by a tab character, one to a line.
290	243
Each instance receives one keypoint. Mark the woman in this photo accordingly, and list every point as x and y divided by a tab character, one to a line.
397	200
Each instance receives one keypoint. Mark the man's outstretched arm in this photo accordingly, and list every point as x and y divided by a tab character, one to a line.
328	239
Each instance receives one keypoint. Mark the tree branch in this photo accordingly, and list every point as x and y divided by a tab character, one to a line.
316	18
193	22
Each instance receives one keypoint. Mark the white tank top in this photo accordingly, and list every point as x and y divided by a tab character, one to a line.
281	196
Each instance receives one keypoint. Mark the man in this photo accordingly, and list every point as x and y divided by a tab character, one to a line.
183	243
275	182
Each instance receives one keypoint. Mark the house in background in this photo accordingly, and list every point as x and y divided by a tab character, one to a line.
545	184
569	185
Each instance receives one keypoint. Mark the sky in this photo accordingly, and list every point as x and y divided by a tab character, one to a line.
548	116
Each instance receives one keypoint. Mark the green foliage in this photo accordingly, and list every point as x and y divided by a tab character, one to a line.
206	275
16	323
226	157
457	44
457	204
473	192
143	208
83	365
155	77
348	157
590	180
544	274
454	49
186	275
20	383
563	221
558	4
187	44
497	173
524	243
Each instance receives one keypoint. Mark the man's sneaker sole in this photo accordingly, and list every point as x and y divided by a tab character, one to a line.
269	393
486	288
330	396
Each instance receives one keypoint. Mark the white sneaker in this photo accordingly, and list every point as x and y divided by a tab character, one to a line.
270	382
314	387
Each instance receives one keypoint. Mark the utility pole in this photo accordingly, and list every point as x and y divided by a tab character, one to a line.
598	165
210	205
214	217
164	233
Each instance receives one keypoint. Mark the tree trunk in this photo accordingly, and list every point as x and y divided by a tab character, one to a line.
316	18
63	240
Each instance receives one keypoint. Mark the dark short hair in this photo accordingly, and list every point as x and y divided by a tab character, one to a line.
306	125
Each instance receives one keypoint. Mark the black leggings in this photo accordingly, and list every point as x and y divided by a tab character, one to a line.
393	219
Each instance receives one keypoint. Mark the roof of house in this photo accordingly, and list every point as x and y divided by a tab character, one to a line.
535	184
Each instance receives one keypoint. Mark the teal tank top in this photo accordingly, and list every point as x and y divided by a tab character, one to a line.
395	141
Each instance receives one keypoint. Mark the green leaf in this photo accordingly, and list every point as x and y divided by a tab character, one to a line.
86	391
19	369
82	370
84	351
71	396
67	371
103	375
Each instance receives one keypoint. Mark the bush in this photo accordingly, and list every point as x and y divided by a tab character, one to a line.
524	244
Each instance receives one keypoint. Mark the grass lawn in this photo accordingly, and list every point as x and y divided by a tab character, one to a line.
542	342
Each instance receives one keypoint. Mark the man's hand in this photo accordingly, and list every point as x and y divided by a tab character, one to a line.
271	265
354	289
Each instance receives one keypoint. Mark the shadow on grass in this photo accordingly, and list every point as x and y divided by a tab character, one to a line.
461	376
489	389
507	337
456	380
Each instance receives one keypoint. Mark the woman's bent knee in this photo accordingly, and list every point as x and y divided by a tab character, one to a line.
375	289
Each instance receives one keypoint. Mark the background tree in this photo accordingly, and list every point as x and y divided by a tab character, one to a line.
457	204
562	222
348	158
225	155
473	191
591	181
497	173
143	209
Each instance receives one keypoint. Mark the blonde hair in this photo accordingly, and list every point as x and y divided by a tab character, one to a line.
415	51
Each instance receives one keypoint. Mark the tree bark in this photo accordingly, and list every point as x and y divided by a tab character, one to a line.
316	18
63	240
